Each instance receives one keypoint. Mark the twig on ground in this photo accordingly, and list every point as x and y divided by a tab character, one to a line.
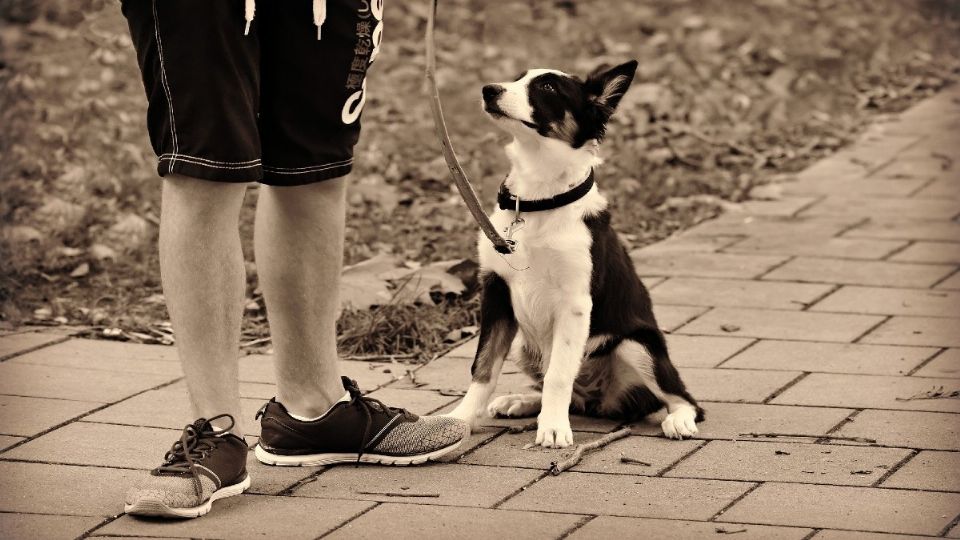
721	530
397	494
557	468
806	436
452	393
634	461
936	392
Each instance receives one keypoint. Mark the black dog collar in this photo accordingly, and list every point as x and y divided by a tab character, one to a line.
508	201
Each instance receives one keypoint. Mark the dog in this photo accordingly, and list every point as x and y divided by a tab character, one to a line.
567	305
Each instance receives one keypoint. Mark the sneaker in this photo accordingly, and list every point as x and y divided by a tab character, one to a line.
206	464
362	429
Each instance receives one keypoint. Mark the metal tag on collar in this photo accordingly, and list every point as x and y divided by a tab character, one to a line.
516	224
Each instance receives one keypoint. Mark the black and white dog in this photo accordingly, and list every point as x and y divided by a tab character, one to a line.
567	304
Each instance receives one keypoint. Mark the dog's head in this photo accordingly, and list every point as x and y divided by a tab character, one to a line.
554	104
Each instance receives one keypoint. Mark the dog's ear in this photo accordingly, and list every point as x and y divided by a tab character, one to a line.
605	86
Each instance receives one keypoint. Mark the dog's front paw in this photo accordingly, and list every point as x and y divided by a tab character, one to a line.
680	423
554	433
472	418
516	405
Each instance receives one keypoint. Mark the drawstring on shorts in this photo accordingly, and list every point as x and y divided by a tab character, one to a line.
319	14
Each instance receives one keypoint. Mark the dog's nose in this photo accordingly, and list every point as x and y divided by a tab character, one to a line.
491	91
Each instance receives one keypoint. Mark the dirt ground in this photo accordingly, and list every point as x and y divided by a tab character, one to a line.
728	96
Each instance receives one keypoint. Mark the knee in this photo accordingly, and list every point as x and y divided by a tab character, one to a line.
201	200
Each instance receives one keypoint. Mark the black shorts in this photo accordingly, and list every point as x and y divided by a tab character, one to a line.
278	106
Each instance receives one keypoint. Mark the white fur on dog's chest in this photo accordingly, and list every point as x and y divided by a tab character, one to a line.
549	271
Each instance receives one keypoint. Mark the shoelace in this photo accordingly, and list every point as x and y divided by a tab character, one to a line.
368	405
196	441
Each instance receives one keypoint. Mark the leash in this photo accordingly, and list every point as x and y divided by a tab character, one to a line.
469	196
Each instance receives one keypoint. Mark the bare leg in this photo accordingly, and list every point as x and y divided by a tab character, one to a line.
299	250
201	268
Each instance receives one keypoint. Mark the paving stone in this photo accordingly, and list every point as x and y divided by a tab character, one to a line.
930	331
869	392
787	206
270	480
52	489
789	462
685	243
779	324
624	527
622	495
452	374
906	229
930	252
72	383
107	355
887	301
863	187
14	344
844	271
6	441
869	509
422	521
946	364
928	470
467	349
875	148
167	408
951	283
259	368
877	206
733	225
41	527
28	416
739	385
454	484
703	351
508	449
83	443
733	420
831	357
672	317
477	437
799	243
838	167
718	265
939	189
909	429
737	293
833	534
416	401
249	516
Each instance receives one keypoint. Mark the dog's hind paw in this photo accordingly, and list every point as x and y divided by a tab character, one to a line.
515	405
680	424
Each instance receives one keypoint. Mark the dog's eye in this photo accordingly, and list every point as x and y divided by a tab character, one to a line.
547	87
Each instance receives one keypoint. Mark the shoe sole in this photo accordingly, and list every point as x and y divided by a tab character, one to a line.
313	460
154	507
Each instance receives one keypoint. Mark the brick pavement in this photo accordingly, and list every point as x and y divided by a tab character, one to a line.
812	328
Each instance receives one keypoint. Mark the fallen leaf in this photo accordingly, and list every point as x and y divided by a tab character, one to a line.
81	271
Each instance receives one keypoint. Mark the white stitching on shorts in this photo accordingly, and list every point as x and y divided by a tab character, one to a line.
306	170
210	161
166	84
190	160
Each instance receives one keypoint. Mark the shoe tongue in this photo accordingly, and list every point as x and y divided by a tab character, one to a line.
201	425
